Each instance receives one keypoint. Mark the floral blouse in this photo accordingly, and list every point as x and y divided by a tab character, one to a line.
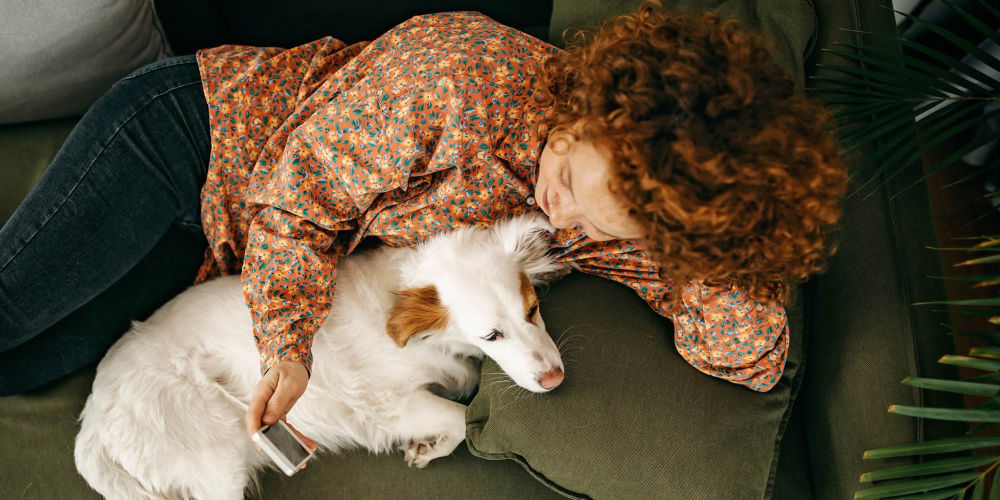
425	129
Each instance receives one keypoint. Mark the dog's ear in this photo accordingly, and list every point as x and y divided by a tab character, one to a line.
417	310
526	237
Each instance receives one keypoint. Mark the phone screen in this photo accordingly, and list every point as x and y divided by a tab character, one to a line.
285	442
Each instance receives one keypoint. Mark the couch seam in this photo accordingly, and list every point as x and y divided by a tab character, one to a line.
88	169
796	384
516	458
900	268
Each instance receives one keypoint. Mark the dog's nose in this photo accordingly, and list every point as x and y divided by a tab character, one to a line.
551	379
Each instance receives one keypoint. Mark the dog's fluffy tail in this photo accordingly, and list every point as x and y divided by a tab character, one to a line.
96	465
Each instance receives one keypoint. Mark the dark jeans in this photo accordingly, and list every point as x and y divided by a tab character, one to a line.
127	177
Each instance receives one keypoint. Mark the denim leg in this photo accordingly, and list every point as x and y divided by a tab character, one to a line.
133	166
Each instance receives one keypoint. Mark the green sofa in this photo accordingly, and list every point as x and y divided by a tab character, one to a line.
632	419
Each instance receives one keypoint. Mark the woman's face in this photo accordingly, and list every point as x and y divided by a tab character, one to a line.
572	189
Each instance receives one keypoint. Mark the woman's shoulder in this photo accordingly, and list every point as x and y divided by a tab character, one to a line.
464	33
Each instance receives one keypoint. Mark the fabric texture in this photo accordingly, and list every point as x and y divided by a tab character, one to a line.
132	167
191	25
789	24
620	446
59	57
28	148
632	419
45	422
429	127
862	308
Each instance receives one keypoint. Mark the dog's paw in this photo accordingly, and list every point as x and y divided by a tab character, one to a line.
418	453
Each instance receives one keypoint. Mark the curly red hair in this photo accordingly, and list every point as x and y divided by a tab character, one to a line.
734	177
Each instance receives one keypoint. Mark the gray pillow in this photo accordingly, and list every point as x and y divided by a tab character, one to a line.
60	56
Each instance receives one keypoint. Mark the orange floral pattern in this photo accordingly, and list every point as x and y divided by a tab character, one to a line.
429	127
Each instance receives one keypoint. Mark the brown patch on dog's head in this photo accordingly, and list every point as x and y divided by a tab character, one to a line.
529	300
417	310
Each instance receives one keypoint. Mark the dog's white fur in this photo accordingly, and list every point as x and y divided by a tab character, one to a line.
159	425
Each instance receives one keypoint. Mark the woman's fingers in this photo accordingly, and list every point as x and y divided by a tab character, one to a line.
290	386
309	442
259	397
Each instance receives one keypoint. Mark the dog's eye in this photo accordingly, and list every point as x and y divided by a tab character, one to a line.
494	335
532	311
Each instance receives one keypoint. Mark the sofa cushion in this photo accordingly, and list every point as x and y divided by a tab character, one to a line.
861	308
28	148
632	419
39	428
790	24
59	57
44	423
194	24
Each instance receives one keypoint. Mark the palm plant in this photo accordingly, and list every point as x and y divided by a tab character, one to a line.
907	102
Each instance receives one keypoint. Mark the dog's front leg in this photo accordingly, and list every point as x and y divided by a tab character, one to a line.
429	427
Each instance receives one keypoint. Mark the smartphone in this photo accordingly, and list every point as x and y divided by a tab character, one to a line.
283	446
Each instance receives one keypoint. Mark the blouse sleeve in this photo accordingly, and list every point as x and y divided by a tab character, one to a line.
722	333
288	280
360	152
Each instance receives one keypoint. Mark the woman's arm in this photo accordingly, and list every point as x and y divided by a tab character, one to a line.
289	273
722	333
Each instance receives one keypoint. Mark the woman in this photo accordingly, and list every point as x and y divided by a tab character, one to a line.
666	148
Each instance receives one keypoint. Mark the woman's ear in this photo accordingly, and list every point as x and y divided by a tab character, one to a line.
526	237
417	310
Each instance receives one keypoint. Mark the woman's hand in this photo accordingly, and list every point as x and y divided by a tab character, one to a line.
275	394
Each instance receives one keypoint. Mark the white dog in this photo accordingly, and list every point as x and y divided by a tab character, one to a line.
161	422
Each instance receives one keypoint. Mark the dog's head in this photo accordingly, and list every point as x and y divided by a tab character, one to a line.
475	287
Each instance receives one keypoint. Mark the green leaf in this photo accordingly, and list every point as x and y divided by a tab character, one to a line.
947	61
985	169
985	405
983	29
927	468
989	377
991	337
986	5
851	114
969	362
953	157
995	486
915	486
896	84
958	41
933	495
981	260
947	445
989	405
969	302
986	390
966	249
943	72
879	127
969	312
986	352
925	140
979	277
853	86
980	237
954	414
980	428
910	142
977	492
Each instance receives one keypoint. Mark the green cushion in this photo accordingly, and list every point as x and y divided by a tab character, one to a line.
28	148
790	24
39	429
632	419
